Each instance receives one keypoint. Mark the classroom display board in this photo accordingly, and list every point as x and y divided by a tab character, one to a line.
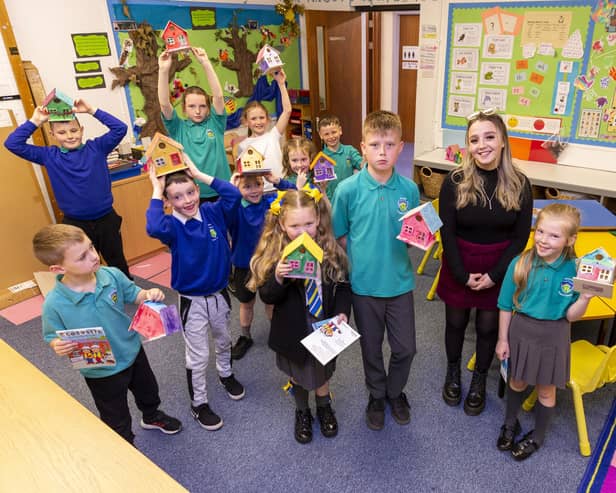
549	68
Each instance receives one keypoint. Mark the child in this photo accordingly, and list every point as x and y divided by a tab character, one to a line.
300	212
245	226
348	159
88	295
200	267
297	154
79	175
537	304
367	209
202	133
267	142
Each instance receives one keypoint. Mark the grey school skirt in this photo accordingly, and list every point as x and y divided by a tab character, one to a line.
540	350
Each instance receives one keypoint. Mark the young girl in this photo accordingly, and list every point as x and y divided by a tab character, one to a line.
297	154
300	211
202	132
267	142
537	304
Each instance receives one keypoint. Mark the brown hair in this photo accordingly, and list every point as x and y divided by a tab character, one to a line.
177	177
382	121
296	144
195	90
251	106
50	242
326	120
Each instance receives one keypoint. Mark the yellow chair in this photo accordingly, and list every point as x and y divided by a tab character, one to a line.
438	252
591	368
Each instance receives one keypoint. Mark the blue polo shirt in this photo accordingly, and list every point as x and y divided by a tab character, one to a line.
67	309
348	159
368	213
204	144
549	290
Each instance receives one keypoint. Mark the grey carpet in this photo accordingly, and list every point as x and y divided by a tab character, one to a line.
441	450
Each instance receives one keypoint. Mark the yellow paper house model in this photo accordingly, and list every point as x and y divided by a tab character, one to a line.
304	256
251	161
165	154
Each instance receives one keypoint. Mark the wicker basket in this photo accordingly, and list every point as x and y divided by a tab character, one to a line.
556	194
431	181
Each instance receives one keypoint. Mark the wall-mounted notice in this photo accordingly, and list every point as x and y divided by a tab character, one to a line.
91	45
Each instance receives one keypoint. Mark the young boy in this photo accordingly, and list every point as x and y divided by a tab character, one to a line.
88	295
79	175
348	159
366	212
200	267
245	226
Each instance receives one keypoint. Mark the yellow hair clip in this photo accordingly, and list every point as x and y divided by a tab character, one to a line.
314	192
277	203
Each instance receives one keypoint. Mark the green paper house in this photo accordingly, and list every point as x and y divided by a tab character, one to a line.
59	106
304	255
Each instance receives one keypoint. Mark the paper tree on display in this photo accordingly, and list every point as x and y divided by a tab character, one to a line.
155	320
419	226
251	162
165	154
323	168
268	59
175	38
304	256
59	106
595	274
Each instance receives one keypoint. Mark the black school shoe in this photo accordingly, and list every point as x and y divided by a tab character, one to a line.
303	426
506	438
375	413
400	409
475	401
239	349
525	448
327	420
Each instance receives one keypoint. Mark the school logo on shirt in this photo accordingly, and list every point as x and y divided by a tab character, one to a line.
566	287
114	297
213	233
210	133
403	205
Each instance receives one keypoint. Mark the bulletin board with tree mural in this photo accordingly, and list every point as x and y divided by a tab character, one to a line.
547	67
231	37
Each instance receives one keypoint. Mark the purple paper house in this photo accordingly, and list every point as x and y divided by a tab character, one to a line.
154	320
268	59
323	168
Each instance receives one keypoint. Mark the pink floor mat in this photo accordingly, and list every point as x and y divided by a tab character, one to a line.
23	311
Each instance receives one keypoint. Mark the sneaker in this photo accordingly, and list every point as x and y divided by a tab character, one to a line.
234	389
400	409
375	413
161	421
206	418
242	345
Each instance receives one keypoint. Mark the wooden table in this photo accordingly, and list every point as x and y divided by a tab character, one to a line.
51	443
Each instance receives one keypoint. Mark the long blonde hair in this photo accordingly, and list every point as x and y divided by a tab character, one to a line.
529	259
273	241
510	181
296	144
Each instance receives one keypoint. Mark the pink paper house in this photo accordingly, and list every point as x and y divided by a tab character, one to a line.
155	320
175	37
323	168
595	273
419	226
268	59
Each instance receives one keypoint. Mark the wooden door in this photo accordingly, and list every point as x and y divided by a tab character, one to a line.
341	36
407	79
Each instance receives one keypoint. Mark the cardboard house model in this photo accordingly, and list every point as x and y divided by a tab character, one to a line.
251	161
268	59
304	255
165	154
323	168
419	226
175	37
595	273
59	106
155	320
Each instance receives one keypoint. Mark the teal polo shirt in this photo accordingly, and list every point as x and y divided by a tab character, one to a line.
368	213
549	290
348	159
204	144
67	309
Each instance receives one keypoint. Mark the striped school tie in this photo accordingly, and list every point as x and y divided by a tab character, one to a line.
313	299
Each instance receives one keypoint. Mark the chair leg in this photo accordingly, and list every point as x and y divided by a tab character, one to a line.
530	401
432	292
470	366
580	418
424	260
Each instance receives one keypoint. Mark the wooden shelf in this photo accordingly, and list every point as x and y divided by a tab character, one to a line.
300	123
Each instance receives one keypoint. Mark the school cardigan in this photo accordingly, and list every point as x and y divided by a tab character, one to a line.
80	177
290	321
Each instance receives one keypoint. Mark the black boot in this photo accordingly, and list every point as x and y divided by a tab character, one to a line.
452	388
475	401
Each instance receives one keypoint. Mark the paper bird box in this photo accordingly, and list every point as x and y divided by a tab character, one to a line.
268	59
175	38
59	106
165	154
595	274
154	320
304	255
323	168
419	226
251	161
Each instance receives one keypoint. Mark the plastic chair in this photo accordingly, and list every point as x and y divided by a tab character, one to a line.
436	254
591	368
